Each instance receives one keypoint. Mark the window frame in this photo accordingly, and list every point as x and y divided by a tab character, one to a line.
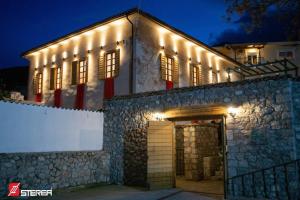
58	78
286	51
113	67
169	75
39	86
196	75
82	75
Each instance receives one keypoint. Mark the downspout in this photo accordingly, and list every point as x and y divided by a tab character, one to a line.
131	61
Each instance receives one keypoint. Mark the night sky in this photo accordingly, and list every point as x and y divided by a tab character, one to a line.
28	23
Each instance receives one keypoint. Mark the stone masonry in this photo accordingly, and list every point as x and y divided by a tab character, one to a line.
200	143
260	134
53	169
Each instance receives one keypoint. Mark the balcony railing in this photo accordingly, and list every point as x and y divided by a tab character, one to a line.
251	60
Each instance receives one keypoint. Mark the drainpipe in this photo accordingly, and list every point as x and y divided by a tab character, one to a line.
131	61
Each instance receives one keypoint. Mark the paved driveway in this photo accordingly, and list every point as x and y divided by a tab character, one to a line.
118	192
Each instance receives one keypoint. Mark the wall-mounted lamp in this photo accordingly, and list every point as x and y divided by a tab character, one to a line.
75	55
119	42
159	116
232	111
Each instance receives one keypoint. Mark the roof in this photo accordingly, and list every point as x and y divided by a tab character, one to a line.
122	15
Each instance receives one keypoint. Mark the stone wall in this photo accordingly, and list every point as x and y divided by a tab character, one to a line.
200	142
258	136
53	169
296	114
191	157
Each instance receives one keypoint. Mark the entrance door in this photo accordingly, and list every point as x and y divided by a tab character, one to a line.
160	165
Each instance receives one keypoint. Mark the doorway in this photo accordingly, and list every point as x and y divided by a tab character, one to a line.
200	156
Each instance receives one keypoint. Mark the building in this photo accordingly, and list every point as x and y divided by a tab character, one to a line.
272	55
128	53
223	136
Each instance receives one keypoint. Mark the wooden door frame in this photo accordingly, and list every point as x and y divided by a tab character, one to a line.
204	113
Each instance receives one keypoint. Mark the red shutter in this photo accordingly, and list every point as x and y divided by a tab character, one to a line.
57	98
38	97
79	96
108	88
169	85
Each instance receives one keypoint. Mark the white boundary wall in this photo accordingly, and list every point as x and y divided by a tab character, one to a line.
29	128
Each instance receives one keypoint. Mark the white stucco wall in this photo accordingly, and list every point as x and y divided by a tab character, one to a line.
28	128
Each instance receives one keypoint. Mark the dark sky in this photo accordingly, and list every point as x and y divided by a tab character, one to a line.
28	23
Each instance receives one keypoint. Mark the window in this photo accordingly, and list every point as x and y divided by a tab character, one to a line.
252	59
58	78
288	54
169	68
39	80
195	75
110	65
82	71
55	78
214	77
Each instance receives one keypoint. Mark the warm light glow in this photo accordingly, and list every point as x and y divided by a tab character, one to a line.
161	41
189	44
119	36
118	22
199	49
91	69
209	58
102	38
159	116
75	52
176	37
45	60
232	111
75	38
102	28
65	54
54	46
53	58
162	30
65	42
252	50
88	33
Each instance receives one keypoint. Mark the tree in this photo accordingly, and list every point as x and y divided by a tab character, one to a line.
287	11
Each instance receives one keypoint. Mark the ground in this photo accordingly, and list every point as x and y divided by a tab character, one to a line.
118	192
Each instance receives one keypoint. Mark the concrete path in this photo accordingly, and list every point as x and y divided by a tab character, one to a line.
118	192
188	196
